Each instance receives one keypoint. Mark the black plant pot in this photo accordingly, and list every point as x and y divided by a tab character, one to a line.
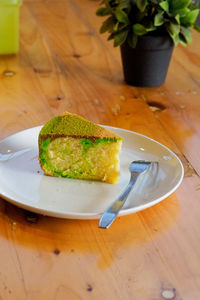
147	64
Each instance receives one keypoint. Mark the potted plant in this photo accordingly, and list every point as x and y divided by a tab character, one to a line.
146	31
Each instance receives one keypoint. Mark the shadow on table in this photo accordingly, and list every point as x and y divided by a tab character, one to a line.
69	237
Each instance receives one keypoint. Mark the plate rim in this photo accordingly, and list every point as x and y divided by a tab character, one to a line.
87	216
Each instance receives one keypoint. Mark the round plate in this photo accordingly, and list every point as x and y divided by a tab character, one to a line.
24	184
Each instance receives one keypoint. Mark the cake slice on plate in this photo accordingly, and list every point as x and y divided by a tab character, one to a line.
73	147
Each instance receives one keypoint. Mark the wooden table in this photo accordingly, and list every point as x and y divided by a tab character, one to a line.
64	64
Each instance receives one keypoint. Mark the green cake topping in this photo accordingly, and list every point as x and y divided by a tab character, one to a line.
68	124
86	143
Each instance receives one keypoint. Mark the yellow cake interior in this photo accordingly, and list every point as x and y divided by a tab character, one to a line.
81	158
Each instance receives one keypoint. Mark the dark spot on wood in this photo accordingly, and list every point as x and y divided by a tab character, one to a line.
76	55
135	97
155	106
91	33
72	250
89	288
61	65
56	251
35	70
25	111
31	217
41	71
59	98
9	292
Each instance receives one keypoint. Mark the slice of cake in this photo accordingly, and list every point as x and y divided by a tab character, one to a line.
73	147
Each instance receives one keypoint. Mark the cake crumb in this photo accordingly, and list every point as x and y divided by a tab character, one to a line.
96	101
143	97
8	73
168	294
123	98
153	108
116	110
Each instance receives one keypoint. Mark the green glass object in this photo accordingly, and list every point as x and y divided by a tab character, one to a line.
9	26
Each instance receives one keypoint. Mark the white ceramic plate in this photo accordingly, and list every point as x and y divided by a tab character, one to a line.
22	181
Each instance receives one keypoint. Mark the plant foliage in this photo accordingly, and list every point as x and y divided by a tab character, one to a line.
129	19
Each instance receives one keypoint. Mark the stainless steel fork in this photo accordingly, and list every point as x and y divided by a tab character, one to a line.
136	168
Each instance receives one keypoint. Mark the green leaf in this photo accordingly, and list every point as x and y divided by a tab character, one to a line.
125	4
139	29
141	4
115	28
196	27
120	37
182	40
159	19
102	11
177	18
164	5
122	26
132	40
107	25
121	16
181	12
175	39
187	34
151	28
173	30
179	4
107	4
190	17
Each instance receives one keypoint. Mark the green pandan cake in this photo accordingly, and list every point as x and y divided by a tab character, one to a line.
73	147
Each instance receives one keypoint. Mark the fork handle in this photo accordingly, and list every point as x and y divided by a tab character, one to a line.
111	213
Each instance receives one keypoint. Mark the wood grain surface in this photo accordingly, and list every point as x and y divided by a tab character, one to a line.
64	64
